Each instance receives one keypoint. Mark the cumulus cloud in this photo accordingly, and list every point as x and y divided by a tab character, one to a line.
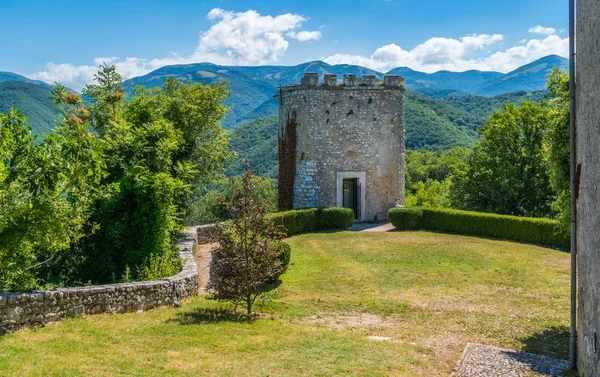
542	30
469	52
235	38
249	38
304	36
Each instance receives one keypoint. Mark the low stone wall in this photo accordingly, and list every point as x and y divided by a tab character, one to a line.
205	233
38	308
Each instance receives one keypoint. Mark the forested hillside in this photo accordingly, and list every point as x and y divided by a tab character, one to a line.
33	101
431	123
253	87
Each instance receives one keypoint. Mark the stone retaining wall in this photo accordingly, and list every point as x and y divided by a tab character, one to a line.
38	308
205	233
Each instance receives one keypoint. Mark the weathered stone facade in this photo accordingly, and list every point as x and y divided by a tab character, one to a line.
38	308
588	206
352	130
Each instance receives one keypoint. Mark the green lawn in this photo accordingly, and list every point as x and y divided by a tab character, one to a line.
428	293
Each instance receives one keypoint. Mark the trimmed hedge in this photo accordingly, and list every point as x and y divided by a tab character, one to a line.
524	229
313	219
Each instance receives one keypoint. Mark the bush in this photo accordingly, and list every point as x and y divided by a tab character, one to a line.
336	218
406	218
312	219
524	229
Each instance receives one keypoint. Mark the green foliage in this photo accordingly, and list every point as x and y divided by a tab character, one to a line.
159	266
286	255
250	252
255	142
430	193
429	124
34	101
406	218
422	165
335	218
313	219
208	207
525	229
104	194
160	146
507	171
429	175
557	139
126	278
45	193
483	107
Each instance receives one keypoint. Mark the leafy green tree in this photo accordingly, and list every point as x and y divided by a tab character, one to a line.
104	195
431	193
159	147
422	165
557	145
507	171
45	193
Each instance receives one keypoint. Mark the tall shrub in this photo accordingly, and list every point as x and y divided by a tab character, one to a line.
159	146
250	252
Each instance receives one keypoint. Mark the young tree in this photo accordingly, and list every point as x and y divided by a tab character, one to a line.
250	252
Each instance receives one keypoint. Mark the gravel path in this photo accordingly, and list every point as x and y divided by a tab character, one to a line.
203	260
370	227
479	360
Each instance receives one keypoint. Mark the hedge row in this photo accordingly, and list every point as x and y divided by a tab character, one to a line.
524	229
313	219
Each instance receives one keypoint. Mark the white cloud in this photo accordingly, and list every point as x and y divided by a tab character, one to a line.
542	30
235	38
469	52
304	36
248	38
99	61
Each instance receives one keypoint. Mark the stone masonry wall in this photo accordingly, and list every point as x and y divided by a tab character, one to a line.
588	206
348	127
38	308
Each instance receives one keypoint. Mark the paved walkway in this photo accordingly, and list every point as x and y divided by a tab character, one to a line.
371	227
479	360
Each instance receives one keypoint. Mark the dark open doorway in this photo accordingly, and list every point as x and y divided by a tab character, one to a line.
351	192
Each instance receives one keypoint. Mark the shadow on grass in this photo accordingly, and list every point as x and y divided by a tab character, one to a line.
552	341
210	315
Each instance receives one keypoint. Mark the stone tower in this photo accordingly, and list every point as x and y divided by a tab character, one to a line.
588	205
342	144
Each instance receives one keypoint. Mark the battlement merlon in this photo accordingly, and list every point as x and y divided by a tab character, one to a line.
310	80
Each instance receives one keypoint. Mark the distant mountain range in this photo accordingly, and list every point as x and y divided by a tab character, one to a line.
253	87
444	109
9	76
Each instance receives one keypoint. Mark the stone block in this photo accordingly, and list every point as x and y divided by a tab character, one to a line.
330	80
393	81
369	80
310	79
349	80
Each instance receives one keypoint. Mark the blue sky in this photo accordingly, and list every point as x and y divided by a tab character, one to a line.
64	40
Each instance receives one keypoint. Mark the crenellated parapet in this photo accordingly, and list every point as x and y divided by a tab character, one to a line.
349	81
